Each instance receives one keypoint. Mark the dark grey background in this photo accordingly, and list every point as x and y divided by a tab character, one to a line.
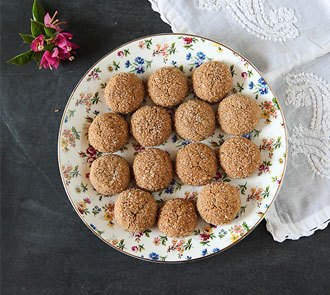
46	249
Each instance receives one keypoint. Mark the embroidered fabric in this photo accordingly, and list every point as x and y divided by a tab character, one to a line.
290	43
278	25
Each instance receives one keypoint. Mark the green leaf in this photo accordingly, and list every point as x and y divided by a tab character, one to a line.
49	47
27	38
37	28
38	11
22	58
37	57
50	32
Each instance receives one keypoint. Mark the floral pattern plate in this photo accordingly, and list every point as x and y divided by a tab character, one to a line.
75	155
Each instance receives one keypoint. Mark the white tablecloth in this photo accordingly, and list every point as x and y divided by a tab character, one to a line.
289	41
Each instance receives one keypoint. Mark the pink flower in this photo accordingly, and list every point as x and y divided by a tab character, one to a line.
38	43
87	200
187	40
50	59
120	53
53	23
244	75
141	44
135	248
91	151
62	41
204	237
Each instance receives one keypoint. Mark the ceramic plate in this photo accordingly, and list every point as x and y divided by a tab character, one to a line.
142	57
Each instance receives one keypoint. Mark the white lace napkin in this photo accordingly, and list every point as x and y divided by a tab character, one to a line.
289	41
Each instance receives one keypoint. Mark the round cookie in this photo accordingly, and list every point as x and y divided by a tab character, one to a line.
212	81
110	174
135	210
167	86
153	169
177	218
194	120
151	125
108	132
219	203
239	157
124	93
238	114
196	164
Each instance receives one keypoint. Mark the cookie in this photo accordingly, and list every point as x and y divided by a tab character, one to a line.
151	125
124	93
110	174
194	120
135	210
167	86
239	157
177	218
212	81
153	169
218	203
238	114
108	132
196	164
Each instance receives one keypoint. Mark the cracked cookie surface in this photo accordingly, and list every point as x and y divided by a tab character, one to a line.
153	169
167	86
135	210
110	174
196	164
124	93
238	114
194	120
177	218
239	157
108	132
219	203
212	81
151	125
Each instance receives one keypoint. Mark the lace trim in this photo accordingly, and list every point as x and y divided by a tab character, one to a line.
279	25
307	89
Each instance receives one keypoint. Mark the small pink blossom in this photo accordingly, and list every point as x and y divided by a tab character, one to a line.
87	200
91	151
38	44
62	42
204	237
53	23
50	59
187	40
244	75
135	248
156	241
120	53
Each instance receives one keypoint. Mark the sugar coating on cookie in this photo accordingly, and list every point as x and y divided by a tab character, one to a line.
135	210
110	174
194	120
177	218
196	164
153	169
167	86
218	203
108	132
151	125
212	81
239	157
238	114
124	93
